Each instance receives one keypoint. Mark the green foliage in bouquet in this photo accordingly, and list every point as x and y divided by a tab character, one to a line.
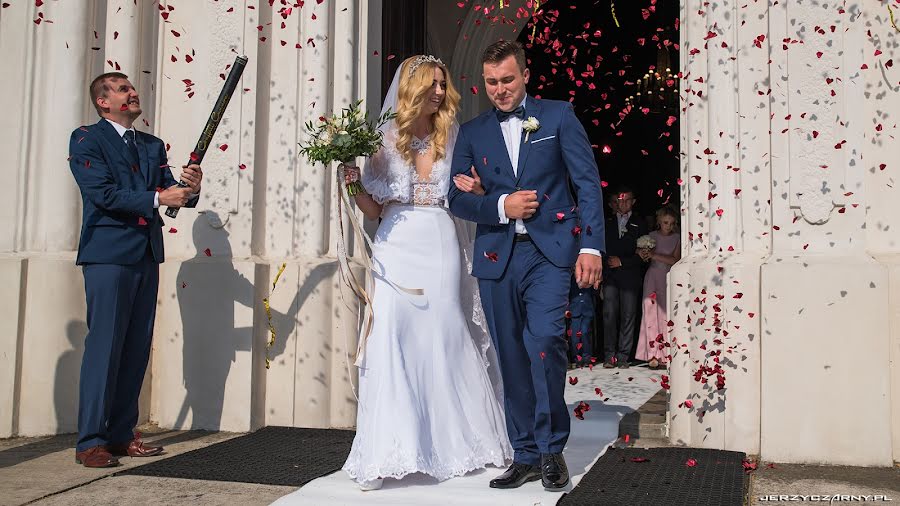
345	137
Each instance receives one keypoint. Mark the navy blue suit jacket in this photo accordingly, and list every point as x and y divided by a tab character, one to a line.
558	151
631	273
118	217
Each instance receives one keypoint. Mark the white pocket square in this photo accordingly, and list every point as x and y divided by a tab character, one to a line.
543	139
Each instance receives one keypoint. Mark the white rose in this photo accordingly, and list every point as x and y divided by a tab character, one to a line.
531	124
646	242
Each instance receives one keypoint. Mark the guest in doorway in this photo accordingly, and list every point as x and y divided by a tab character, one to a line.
622	278
652	343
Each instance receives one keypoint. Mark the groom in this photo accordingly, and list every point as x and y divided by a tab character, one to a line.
530	232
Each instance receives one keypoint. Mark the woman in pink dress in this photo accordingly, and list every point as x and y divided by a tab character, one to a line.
653	341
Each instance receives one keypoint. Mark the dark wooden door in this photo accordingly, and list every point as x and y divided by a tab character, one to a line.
402	35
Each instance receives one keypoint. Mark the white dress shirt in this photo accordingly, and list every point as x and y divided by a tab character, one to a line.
623	222
512	137
511	128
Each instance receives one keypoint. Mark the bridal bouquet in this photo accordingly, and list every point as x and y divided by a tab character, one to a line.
646	242
345	137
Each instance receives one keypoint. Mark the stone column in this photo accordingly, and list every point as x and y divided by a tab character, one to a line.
16	29
209	344
775	274
47	48
881	82
308	383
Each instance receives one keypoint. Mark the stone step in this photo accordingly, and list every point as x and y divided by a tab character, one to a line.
649	421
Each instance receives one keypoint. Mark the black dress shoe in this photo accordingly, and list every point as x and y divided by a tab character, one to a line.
517	475
554	472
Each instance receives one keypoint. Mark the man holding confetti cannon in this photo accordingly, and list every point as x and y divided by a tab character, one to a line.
124	177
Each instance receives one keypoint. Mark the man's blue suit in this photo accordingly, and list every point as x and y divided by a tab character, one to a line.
120	250
524	285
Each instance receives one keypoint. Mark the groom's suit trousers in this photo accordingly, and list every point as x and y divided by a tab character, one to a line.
529	336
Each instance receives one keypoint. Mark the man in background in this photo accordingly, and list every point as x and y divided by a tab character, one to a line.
622	279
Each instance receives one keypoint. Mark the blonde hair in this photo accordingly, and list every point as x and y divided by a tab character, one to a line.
410	100
664	211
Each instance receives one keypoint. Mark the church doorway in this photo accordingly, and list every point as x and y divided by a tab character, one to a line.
618	64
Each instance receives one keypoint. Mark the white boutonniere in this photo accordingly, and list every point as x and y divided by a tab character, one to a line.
530	125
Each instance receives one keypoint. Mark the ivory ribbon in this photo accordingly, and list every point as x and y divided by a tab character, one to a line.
347	274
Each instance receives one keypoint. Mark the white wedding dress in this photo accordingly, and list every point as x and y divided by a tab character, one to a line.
429	398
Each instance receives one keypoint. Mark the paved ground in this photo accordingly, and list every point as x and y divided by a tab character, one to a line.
42	471
799	480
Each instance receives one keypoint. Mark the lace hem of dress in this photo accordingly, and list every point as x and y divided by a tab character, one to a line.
400	463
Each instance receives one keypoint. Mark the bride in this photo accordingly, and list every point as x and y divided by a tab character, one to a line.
429	392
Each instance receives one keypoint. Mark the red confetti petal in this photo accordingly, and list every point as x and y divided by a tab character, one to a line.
207	252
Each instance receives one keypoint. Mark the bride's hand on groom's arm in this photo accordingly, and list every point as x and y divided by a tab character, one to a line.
469	184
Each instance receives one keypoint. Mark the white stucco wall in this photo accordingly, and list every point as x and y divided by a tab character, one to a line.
803	232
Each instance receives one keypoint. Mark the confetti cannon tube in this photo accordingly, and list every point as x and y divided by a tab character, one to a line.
231	82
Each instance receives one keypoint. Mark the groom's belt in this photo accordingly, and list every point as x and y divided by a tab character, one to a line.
522	238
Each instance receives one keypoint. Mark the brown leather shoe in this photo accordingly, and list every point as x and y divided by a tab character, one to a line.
96	456
135	448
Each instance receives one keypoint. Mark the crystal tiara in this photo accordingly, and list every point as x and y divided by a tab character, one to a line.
423	59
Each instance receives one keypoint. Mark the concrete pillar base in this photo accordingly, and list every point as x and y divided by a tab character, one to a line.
825	357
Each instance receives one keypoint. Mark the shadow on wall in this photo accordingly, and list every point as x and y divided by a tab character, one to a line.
68	371
211	339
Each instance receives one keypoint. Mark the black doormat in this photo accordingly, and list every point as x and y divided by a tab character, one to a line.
661	477
272	456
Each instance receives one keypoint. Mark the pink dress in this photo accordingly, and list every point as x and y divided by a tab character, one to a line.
654	328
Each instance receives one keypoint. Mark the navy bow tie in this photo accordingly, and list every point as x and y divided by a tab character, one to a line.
518	111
